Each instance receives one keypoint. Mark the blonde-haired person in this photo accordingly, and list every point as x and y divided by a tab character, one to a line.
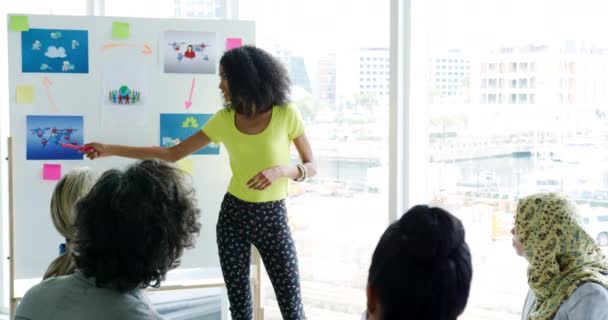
73	186
567	271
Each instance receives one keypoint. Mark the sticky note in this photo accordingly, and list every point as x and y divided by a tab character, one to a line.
19	23
121	30
25	94
232	43
187	165
51	171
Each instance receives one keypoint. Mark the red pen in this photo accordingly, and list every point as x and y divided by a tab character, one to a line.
76	147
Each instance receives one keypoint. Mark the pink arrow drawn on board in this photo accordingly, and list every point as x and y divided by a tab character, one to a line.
146	48
47	83
189	102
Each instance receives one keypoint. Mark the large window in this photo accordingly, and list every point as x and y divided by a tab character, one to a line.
547	131
338	57
516	102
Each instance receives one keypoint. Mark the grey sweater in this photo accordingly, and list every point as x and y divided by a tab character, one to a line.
588	302
76	297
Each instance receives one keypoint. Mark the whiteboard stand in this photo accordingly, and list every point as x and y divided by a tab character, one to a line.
256	281
11	253
24	214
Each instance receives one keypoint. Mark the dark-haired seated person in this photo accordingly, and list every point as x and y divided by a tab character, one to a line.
421	268
131	228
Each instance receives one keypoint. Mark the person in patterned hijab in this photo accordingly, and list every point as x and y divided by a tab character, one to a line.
567	271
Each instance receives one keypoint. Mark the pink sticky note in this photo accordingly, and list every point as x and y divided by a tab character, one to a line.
232	43
51	171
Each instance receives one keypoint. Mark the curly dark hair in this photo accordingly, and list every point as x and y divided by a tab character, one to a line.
421	268
255	78
133	226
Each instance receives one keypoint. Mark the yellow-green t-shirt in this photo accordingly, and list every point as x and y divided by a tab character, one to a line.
252	153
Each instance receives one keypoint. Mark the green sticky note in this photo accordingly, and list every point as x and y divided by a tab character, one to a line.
19	23
25	94
120	30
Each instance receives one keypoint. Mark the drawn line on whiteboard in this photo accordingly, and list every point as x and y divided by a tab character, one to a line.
189	102
146	48
46	82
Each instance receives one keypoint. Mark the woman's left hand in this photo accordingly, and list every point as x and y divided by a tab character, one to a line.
265	178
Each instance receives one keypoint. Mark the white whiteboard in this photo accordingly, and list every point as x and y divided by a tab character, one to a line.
36	241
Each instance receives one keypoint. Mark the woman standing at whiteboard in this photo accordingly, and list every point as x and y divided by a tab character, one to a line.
257	127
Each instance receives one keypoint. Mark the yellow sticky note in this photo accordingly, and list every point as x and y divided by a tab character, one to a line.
25	94
121	30
187	165
19	23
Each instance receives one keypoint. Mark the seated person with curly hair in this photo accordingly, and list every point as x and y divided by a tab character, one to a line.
131	228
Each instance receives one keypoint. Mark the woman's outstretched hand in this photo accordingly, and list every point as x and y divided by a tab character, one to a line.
94	150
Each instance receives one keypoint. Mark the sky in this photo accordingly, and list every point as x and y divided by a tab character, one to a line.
330	25
319	25
478	24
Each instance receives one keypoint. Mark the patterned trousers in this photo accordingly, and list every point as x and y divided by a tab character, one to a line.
264	225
